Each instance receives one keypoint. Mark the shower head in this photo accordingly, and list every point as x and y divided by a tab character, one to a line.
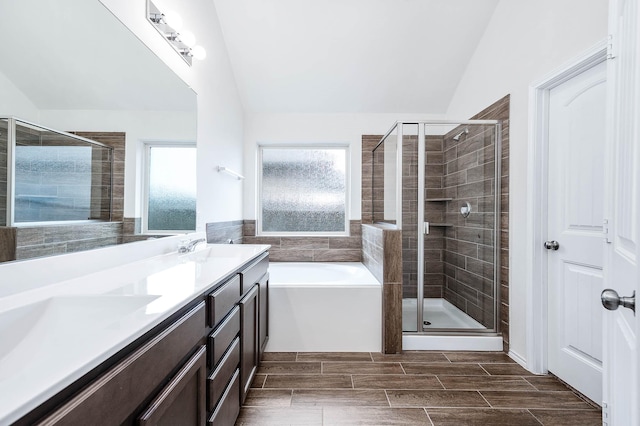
464	132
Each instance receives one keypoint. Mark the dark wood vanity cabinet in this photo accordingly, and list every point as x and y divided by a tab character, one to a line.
157	370
249	314
193	369
183	400
263	323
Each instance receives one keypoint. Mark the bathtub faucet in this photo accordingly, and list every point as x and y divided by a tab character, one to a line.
190	246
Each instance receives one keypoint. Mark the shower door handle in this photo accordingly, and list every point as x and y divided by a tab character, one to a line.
551	245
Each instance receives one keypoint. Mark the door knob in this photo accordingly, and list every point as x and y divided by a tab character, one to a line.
611	300
551	245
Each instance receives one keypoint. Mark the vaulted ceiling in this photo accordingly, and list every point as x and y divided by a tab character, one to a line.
351	56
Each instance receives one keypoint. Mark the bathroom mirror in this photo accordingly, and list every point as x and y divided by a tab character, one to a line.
71	65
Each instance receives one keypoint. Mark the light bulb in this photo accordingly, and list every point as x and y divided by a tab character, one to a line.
187	38
173	20
199	53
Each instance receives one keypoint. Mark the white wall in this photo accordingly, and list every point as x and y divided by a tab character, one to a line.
314	128
524	41
15	103
220	115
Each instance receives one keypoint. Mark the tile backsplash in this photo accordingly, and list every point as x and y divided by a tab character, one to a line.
309	249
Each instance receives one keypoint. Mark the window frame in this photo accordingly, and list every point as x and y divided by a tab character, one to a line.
146	163
346	148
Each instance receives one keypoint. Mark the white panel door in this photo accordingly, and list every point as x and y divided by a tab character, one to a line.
621	326
577	117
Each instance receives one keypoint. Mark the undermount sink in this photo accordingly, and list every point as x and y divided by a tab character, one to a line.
60	321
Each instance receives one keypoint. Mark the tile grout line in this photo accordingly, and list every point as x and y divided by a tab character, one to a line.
428	416
480	393
387	396
440	381
531	384
485	370
534	416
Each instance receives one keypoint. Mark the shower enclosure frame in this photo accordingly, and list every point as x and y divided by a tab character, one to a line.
422	225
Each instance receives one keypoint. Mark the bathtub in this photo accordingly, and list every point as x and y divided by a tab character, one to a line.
324	307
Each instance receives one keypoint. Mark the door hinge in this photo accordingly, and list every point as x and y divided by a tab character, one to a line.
605	231
605	413
611	53
425	228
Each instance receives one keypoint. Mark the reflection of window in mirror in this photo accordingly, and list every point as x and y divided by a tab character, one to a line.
170	188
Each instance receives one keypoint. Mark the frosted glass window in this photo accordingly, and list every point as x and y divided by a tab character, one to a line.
303	190
171	188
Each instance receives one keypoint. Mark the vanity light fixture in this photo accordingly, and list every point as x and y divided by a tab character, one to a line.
170	25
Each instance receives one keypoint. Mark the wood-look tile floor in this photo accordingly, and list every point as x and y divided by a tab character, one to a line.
413	388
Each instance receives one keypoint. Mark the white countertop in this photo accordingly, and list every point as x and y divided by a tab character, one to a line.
52	335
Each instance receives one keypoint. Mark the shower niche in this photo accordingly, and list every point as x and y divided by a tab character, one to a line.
438	182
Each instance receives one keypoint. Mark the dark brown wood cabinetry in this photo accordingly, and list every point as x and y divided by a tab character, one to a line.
119	393
249	314
263	323
193	369
182	401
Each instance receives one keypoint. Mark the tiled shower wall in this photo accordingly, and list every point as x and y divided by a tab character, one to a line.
500	111
468	177
434	214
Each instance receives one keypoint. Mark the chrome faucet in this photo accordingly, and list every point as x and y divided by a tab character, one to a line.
190	246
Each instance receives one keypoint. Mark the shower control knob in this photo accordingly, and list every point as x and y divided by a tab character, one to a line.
551	245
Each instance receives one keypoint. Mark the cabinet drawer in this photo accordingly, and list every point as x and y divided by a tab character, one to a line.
222	336
221	301
228	409
252	273
218	380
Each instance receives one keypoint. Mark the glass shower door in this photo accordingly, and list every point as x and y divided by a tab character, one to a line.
411	175
461	215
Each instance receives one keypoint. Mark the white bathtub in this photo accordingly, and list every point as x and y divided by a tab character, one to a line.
324	307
